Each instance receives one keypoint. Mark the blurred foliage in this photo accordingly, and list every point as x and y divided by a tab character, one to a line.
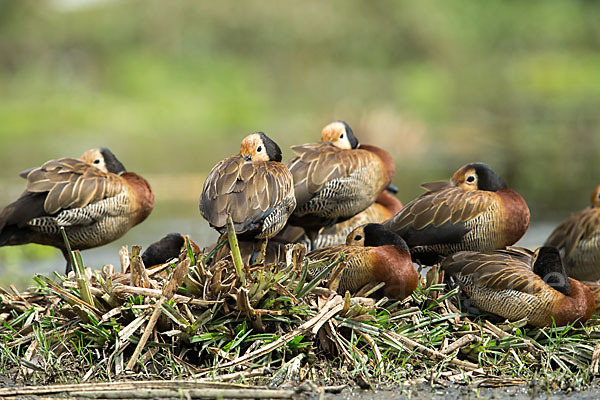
172	87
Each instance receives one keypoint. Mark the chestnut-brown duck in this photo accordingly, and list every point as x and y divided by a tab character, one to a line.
474	210
254	187
94	198
374	254
516	283
336	178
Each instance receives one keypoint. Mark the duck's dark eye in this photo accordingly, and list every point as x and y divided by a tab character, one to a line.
470	179
259	149
97	161
357	237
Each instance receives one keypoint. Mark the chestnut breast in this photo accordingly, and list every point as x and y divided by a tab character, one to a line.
142	195
393	265
515	215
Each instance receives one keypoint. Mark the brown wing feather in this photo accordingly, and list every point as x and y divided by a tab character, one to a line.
246	190
319	163
72	183
351	256
579	226
451	204
498	270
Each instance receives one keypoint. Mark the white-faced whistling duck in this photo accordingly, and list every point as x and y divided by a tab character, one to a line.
472	211
254	187
517	283
374	254
336	178
94	198
578	239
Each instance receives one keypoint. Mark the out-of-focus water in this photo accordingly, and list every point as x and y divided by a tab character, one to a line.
155	228
144	234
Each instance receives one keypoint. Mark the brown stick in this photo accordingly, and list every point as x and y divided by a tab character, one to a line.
189	393
460	343
146	334
150	389
167	292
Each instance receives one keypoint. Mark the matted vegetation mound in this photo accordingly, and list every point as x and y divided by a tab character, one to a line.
194	318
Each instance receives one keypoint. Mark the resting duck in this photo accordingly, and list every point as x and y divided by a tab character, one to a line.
578	239
336	178
373	254
517	283
254	187
474	210
94	198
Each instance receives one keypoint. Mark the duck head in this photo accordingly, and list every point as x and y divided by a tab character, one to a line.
548	265
259	147
374	235
103	159
340	135
477	176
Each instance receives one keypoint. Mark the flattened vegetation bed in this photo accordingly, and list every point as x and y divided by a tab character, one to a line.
269	325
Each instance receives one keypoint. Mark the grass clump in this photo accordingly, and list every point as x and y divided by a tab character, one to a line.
193	318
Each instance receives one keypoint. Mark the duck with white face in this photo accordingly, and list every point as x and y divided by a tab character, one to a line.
93	198
474	210
253	187
336	179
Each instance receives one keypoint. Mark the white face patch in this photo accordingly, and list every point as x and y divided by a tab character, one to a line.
94	158
254	147
336	134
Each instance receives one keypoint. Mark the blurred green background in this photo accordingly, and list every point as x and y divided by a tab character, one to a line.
173	86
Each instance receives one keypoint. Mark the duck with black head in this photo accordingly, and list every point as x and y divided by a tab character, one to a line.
372	254
517	283
253	187
93	198
336	178
474	210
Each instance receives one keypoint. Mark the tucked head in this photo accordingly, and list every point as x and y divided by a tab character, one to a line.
165	249
477	176
548	265
596	197
103	159
259	147
340	135
373	235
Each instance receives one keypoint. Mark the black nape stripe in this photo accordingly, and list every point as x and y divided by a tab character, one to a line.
112	163
273	150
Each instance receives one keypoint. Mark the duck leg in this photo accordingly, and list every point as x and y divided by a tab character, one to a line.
67	256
